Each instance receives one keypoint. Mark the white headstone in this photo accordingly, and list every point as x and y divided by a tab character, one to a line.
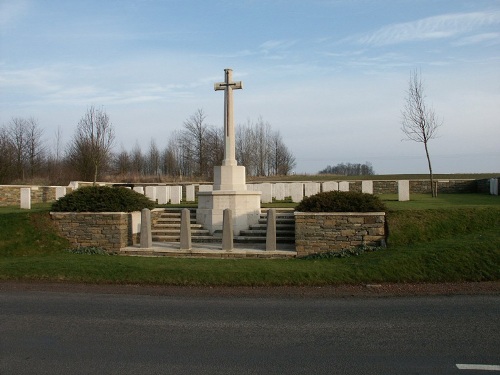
297	191
162	194
287	190
403	190
343	186
311	188
151	192
175	194
494	186
60	192
330	186
139	189
26	198
267	192
136	222
190	197
279	191
367	187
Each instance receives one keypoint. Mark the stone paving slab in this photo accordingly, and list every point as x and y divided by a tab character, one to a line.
212	250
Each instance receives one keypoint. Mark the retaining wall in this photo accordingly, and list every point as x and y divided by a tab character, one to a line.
332	232
108	230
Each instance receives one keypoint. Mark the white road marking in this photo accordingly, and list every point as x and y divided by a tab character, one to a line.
465	366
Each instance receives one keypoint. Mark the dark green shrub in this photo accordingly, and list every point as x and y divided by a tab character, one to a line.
102	199
340	201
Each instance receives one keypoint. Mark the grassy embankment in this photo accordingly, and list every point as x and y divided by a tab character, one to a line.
448	239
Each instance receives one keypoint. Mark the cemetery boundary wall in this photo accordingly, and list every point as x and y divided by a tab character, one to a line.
324	232
10	195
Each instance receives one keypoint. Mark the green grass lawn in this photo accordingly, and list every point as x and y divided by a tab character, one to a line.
448	239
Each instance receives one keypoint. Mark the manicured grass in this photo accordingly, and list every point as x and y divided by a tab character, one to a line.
452	238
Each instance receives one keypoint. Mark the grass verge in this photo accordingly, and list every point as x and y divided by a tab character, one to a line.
450	243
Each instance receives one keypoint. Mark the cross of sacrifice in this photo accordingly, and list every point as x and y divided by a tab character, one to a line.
229	139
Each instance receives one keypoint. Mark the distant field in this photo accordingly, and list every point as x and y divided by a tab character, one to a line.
392	177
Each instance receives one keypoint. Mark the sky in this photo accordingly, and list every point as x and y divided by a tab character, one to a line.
330	75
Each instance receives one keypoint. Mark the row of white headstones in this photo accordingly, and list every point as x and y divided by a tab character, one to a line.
278	191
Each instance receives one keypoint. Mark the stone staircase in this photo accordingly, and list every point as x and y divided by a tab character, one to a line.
166	228
285	229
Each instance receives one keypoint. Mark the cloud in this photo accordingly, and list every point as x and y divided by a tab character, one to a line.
489	38
436	27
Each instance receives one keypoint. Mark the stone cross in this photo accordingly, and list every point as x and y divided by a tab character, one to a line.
229	138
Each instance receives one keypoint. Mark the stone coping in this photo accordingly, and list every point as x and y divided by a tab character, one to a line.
230	192
298	213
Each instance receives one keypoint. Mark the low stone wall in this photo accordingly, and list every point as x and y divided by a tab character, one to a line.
334	231
10	195
108	230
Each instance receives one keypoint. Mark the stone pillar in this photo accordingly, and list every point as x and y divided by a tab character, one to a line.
185	229
146	239
227	230
271	230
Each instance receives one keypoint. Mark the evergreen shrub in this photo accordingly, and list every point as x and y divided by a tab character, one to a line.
102	199
341	201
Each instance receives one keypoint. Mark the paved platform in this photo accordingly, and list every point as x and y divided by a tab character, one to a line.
212	250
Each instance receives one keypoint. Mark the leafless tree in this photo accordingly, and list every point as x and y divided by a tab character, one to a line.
419	121
90	149
154	160
26	138
196	139
137	160
7	157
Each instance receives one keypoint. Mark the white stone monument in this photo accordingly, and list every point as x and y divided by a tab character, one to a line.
311	188
367	187
190	197
26	198
344	186
403	190
229	190
297	191
330	186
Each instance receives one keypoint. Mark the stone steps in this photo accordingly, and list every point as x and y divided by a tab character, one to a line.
167	228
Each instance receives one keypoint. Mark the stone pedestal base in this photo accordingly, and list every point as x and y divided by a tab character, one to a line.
245	207
229	177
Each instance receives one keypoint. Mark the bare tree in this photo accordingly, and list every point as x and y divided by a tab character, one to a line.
26	138
419	122
91	147
7	157
196	137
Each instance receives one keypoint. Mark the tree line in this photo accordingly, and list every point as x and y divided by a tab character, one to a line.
189	153
349	169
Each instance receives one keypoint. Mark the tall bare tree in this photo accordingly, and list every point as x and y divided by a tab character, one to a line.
26	138
7	157
91	147
419	121
196	139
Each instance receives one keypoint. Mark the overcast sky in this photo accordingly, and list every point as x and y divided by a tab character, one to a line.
329	75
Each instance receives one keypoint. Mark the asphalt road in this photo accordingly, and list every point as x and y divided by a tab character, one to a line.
43	332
